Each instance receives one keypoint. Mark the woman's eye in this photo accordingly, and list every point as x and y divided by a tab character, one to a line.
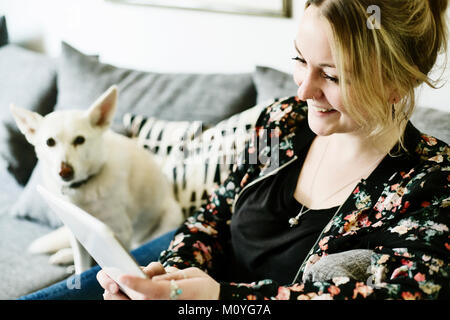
299	60
51	142
332	79
326	76
78	140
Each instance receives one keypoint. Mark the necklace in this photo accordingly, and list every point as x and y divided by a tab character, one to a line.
295	220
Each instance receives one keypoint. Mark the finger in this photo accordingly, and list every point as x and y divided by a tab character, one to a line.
144	288
176	275
106	282
181	274
186	289
153	269
116	296
160	290
171	269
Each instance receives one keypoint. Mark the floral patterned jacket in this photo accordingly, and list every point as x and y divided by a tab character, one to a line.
404	220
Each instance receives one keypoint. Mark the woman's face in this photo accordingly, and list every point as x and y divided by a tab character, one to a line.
317	79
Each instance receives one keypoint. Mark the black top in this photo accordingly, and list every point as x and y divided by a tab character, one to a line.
264	244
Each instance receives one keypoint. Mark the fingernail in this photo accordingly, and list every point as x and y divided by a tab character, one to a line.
112	288
124	280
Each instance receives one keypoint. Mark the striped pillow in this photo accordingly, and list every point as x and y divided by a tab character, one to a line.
195	162
160	136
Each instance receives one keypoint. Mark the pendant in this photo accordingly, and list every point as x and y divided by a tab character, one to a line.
293	222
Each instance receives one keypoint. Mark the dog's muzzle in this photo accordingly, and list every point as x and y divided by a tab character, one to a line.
66	172
78	184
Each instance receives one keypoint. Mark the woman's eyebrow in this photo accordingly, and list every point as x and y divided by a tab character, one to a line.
296	48
324	65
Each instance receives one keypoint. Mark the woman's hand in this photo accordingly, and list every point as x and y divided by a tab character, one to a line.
187	284
112	291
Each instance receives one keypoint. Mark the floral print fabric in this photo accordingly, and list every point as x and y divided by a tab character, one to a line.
404	221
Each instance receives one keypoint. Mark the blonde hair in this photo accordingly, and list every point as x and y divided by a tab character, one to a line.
397	53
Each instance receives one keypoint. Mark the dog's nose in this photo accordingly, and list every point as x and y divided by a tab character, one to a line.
66	172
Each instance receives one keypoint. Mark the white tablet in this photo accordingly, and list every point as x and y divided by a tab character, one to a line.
96	237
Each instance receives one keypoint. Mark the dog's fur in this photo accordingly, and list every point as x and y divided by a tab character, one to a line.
106	174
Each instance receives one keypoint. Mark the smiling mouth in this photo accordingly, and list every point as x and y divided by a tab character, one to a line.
323	110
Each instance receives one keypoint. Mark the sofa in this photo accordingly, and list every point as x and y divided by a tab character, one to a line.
168	114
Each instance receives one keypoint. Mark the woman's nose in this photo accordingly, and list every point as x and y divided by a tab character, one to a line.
308	88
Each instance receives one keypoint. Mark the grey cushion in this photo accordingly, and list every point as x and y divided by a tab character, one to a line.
353	264
271	83
31	206
23	272
28	80
432	122
3	31
206	97
10	190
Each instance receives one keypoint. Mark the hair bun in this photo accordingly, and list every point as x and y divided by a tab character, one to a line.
438	6
438	10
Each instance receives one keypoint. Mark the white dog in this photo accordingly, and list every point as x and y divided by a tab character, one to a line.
106	174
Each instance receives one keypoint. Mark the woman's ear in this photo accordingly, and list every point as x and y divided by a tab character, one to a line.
394	97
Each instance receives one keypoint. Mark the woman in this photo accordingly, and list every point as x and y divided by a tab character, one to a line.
352	201
355	181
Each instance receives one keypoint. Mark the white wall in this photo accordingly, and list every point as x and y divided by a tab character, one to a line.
152	38
166	40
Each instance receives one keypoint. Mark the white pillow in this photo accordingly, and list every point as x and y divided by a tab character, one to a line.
196	163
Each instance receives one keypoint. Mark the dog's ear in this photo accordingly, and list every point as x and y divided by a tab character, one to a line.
27	121
102	110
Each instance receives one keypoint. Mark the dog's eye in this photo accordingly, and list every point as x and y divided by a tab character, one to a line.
51	142
78	140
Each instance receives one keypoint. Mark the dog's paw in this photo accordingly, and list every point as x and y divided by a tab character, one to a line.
51	242
62	257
